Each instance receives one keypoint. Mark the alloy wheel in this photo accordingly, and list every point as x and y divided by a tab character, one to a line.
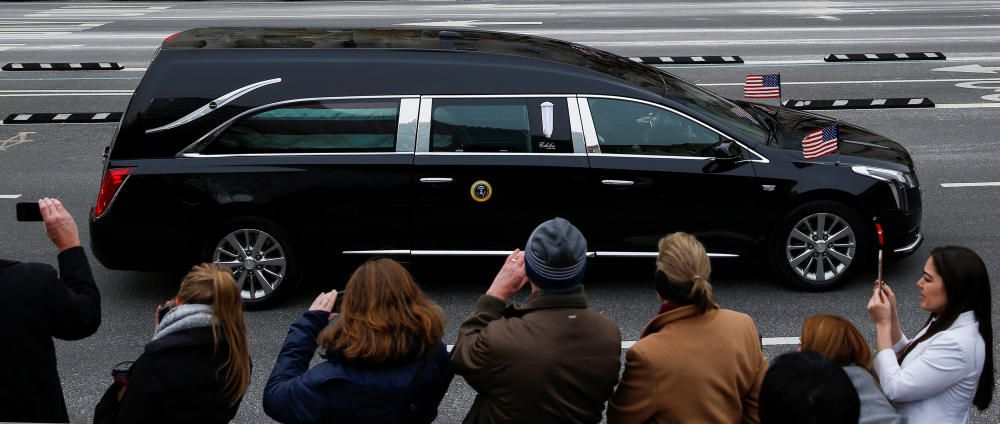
821	247
256	259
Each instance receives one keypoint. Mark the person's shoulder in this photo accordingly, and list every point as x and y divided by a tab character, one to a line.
735	316
27	274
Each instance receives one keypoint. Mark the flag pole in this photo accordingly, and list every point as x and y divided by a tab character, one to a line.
838	141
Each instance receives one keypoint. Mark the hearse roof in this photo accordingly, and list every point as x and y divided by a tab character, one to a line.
422	39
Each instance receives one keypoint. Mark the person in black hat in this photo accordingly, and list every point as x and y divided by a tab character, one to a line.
550	360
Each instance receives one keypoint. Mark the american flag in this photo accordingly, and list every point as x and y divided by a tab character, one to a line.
820	142
766	86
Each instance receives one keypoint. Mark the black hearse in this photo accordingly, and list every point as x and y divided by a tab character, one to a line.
268	150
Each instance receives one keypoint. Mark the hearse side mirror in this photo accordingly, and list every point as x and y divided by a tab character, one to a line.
727	151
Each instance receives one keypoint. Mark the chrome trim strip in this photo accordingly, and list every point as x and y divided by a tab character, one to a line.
892	187
406	134
376	252
575	125
618	182
589	131
191	148
614	254
497	96
762	159
912	246
424	125
214	105
469	253
630	155
239	155
436	180
540	155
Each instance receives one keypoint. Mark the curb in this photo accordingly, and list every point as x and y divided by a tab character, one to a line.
62	118
919	102
685	60
88	66
859	57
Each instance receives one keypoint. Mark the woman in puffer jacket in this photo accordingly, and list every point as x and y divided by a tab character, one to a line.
197	367
384	361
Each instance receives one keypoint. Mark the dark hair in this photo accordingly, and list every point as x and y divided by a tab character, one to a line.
967	287
807	388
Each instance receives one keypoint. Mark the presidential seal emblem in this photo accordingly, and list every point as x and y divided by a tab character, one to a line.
481	191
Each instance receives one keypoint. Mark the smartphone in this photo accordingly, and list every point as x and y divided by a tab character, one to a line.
163	310
339	301
880	282
28	211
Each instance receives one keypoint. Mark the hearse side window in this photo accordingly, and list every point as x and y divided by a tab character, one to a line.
313	127
626	127
500	125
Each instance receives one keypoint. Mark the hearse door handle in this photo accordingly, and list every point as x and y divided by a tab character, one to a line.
618	183
435	180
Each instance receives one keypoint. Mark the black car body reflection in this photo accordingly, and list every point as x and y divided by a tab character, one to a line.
265	149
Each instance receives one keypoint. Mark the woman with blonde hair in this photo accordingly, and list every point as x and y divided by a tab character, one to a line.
837	339
694	362
384	359
197	367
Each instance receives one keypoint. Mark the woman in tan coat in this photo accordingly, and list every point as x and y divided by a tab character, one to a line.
694	362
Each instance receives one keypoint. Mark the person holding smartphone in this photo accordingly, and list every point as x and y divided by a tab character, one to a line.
947	367
39	303
384	361
197	367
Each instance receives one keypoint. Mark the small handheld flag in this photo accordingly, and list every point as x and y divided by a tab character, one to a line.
820	142
766	86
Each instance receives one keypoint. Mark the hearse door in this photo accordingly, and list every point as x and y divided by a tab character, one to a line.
487	170
655	171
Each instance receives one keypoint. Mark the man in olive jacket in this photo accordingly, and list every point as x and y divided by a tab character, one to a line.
550	360
37	304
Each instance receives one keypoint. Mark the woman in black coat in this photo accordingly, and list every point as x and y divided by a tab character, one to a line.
197	367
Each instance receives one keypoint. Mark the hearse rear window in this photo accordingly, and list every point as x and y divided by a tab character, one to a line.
502	125
313	127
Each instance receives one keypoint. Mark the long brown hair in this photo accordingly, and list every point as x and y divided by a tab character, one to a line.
684	260
385	316
967	287
836	338
212	284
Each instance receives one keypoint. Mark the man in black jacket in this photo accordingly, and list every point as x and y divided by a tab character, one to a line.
37	304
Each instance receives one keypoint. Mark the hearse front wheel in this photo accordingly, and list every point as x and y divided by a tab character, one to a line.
819	245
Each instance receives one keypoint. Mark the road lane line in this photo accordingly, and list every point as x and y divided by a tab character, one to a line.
986	184
10	196
967	105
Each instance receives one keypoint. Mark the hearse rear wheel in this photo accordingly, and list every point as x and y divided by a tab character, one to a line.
261	257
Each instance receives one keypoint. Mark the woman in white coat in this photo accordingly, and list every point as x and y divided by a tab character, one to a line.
948	366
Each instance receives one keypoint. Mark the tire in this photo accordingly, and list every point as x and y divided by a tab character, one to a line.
276	266
841	245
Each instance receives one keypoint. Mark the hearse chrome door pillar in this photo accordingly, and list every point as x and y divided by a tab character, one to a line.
655	171
488	169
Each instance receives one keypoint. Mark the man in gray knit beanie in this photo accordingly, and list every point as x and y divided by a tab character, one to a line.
551	359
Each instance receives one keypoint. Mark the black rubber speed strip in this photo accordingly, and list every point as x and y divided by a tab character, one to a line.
685	60
859	103
90	66
62	118
861	57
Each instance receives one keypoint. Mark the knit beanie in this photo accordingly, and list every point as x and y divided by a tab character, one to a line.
556	256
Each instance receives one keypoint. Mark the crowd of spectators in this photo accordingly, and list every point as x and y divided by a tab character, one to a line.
551	359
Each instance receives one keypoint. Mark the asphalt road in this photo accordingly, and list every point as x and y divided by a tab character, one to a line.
956	142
